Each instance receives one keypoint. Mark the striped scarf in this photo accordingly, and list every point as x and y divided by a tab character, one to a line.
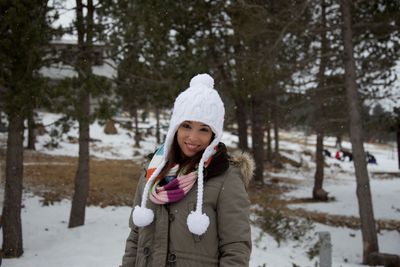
177	184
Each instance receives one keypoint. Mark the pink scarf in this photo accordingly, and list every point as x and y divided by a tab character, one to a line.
177	187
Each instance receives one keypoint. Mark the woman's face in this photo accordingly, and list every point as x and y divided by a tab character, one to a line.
193	137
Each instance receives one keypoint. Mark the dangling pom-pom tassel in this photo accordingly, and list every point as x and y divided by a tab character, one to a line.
142	216
197	222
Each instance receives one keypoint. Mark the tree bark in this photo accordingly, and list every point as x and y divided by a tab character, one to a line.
269	139
11	214
277	161
158	134
134	114
318	192
79	200
384	259
31	131
338	144
398	142
276	134
368	230
84	69
241	118
258	138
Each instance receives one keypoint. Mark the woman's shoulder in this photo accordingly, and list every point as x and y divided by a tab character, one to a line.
241	165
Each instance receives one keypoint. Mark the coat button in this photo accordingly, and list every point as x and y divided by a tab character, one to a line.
171	257
146	251
171	217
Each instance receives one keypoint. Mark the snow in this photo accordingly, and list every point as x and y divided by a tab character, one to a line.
119	146
61	71
100	242
385	198
49	242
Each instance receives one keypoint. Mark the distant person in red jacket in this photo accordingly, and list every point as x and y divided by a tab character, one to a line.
338	155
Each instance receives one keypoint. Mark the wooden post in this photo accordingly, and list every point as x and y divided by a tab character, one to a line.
325	249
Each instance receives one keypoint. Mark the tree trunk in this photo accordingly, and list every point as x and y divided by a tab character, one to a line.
134	114
398	143
241	118
338	144
269	139
277	161
258	138
158	134
318	192
11	214
368	230
240	103
276	134
384	259
78	209
84	69
31	131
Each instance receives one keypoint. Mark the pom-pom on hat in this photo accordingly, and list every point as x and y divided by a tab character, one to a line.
201	103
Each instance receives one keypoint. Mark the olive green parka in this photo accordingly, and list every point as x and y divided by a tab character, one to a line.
167	240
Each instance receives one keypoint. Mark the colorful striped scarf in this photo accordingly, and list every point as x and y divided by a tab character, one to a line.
177	184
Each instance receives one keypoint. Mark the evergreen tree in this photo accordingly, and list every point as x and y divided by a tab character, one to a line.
371	253
74	97
268	48
24	32
144	48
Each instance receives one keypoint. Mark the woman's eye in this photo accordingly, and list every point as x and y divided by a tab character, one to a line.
204	130
185	125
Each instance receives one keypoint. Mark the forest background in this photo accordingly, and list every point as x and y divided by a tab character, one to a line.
327	68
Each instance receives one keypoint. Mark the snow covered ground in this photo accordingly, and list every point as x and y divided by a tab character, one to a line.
48	242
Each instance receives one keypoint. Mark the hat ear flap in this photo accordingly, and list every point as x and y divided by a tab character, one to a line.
142	216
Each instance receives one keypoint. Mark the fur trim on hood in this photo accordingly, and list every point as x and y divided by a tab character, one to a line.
245	162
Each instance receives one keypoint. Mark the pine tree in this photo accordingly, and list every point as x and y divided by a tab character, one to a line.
75	97
318	192
368	229
24	32
268	48
143	46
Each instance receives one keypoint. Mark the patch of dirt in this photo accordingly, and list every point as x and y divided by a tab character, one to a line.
385	175
112	182
342	221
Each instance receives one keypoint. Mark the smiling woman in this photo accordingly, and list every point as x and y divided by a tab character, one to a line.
198	213
193	137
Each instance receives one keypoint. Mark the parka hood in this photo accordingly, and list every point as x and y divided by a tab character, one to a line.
246	164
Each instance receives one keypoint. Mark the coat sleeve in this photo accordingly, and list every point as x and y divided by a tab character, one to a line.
129	258
234	232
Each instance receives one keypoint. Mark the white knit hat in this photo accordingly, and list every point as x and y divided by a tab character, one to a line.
200	103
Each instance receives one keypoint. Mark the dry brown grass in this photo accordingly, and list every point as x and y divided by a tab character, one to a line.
112	182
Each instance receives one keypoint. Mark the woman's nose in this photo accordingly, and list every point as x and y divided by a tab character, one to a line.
192	135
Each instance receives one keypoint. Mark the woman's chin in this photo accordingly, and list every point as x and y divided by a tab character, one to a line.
189	154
